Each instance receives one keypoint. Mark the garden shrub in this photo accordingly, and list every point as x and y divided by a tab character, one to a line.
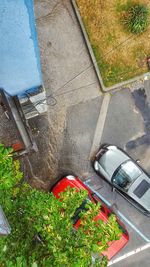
136	18
42	233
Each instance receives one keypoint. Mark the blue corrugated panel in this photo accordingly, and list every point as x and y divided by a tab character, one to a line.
19	55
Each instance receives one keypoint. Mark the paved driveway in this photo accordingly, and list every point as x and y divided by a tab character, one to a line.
72	90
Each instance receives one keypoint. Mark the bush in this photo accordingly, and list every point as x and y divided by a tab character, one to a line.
42	228
136	18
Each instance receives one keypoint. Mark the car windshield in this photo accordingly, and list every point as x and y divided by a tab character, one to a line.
82	207
126	174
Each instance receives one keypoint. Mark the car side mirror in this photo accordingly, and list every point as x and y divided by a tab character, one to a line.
114	207
137	161
113	189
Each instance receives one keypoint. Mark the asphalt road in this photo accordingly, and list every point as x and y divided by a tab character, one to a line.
127	125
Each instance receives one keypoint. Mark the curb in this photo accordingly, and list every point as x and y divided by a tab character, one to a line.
104	89
90	50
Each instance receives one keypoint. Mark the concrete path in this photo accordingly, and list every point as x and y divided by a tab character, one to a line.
65	135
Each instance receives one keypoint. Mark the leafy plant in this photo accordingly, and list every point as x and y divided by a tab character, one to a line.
42	227
136	18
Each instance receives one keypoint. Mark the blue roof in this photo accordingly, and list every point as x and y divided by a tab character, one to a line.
19	54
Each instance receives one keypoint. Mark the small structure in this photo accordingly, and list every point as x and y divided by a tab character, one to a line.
4	225
21	82
148	63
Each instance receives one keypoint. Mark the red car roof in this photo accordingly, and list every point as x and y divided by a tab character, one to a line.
114	246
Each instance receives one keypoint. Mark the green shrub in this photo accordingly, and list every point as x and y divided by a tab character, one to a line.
136	18
42	232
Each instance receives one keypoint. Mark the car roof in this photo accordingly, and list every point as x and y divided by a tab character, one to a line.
75	182
140	191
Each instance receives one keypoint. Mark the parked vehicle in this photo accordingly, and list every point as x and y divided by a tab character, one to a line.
104	213
125	175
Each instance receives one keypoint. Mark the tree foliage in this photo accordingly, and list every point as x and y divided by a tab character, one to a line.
42	226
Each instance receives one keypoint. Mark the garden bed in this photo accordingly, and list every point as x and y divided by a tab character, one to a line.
120	55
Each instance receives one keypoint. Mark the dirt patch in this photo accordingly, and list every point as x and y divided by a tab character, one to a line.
120	54
41	168
9	134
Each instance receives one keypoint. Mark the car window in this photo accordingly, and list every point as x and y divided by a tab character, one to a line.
103	209
109	213
102	161
123	229
82	207
127	173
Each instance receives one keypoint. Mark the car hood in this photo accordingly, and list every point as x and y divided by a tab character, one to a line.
140	191
112	159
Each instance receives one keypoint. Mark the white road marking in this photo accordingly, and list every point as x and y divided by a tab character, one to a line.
129	254
100	124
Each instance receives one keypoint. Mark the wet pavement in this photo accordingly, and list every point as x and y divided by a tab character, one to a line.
128	123
81	121
141	103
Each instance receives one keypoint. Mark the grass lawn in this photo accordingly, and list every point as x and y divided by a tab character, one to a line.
120	55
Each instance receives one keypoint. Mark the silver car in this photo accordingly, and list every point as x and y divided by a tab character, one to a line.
125	176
